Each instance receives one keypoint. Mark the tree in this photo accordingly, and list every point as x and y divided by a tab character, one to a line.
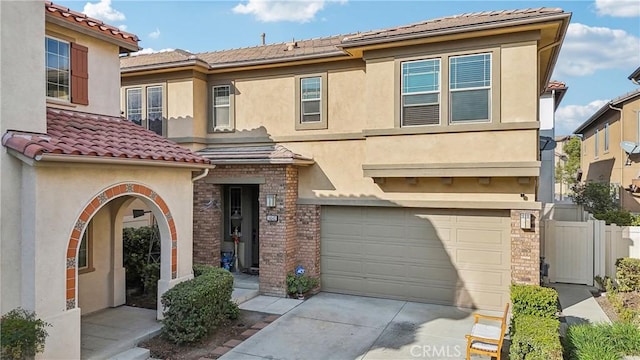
566	171
600	200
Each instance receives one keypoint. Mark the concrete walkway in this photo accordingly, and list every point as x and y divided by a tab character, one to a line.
578	305
334	326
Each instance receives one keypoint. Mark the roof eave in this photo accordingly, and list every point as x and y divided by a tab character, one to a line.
166	65
635	76
297	162
324	55
456	30
605	108
83	159
122	44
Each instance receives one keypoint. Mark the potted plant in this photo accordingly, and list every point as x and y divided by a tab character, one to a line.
298	283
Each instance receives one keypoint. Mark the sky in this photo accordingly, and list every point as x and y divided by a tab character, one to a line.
601	47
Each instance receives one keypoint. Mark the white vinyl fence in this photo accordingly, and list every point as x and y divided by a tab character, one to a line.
578	250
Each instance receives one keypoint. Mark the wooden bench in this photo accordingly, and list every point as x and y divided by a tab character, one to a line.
487	339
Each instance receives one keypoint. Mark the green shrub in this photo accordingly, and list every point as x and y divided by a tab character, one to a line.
601	341
628	274
534	300
22	335
135	244
535	338
199	269
619	217
195	307
150	277
300	284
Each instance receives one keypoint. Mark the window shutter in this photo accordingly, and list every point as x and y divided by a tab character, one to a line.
79	74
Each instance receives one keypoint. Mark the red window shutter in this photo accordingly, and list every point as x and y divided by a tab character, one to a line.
79	74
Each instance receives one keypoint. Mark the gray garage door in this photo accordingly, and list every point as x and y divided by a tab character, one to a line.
435	256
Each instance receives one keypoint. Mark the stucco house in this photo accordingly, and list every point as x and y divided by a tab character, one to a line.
604	158
550	150
69	167
399	163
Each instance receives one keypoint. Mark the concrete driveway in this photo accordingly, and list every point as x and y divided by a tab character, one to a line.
334	326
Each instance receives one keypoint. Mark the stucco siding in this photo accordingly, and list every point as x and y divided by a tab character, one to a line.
104	70
180	110
519	90
94	287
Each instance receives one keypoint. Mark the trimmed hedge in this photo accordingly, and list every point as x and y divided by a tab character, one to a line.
534	300
535	338
195	307
601	341
628	274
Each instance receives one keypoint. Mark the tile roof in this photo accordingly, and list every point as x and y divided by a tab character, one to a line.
81	19
254	154
98	136
556	85
333	45
462	22
615	102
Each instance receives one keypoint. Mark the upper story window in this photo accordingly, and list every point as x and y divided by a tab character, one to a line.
420	92
221	107
606	137
310	98
144	105
311	101
470	88
596	143
67	71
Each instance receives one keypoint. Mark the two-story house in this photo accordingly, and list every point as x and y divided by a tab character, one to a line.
611	146
399	163
69	167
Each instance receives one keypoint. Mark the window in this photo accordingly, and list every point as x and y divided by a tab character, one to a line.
144	106
221	107
58	59
420	92
606	137
67	71
310	98
85	261
596	144
470	88
311	102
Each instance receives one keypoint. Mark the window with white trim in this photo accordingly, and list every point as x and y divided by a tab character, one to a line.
470	88
310	99
596	144
221	107
144	105
606	137
85	256
58	65
420	92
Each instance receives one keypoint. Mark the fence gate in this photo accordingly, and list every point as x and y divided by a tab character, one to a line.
569	250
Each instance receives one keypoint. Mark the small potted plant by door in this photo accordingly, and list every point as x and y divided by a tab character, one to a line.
298	283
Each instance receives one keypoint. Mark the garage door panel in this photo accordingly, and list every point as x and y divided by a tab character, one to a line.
480	237
449	257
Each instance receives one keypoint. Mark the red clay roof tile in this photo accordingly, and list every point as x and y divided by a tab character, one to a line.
99	136
75	17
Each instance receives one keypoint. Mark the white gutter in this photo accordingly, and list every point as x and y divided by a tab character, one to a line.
205	172
78	159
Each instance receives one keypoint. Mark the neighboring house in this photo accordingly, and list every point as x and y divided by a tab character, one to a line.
549	102
604	160
395	163
561	190
69	168
635	76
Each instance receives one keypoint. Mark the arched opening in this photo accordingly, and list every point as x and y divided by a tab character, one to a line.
100	225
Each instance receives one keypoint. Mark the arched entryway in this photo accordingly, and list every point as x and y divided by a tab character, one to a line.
113	195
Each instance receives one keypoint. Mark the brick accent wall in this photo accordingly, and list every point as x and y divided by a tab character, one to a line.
278	240
525	249
308	221
207	222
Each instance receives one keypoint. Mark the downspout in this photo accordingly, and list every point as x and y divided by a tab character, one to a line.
205	172
621	152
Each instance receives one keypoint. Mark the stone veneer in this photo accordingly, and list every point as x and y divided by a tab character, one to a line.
293	240
525	249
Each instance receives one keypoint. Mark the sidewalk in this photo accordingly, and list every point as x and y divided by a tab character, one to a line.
578	305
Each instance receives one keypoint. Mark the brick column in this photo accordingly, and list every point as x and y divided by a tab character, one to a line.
207	220
308	222
525	249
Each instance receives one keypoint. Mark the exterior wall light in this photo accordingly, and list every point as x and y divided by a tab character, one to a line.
271	200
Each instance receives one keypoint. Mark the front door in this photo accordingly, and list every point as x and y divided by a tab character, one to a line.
243	201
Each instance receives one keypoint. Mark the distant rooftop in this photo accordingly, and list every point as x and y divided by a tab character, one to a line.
615	102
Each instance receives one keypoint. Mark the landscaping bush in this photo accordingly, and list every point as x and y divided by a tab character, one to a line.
150	277
195	307
534	300
601	341
628	274
535	338
22	335
135	244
